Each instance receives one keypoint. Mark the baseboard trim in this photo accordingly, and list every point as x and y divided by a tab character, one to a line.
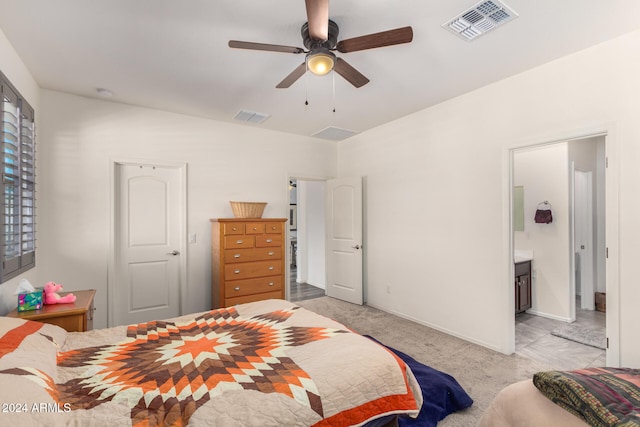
549	316
441	329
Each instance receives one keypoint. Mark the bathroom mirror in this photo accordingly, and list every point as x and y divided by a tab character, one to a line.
518	208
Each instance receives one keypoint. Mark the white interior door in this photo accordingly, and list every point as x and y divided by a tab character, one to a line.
583	211
344	239
147	243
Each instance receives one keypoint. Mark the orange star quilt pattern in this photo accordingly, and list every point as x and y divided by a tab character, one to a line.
273	362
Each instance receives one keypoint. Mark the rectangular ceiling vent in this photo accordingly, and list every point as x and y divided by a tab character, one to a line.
334	134
481	18
251	116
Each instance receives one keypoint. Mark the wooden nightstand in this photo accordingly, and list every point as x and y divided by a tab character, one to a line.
74	317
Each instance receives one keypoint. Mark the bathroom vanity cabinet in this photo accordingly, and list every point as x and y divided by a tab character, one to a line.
523	285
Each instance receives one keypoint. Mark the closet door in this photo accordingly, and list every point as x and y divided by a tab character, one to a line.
148	241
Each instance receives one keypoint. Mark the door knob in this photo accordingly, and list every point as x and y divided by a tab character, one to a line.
174	253
356	247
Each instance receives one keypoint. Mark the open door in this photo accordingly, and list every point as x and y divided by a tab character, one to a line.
583	220
344	239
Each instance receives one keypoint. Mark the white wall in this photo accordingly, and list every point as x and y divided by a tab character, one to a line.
313	209
544	174
437	194
79	137
14	69
12	66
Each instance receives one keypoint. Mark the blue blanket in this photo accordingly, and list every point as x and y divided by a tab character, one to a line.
441	393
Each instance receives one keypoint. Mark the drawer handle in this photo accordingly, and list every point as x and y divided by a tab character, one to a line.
235	228
238	242
271	268
236	271
269	240
236	255
271	283
271	253
237	288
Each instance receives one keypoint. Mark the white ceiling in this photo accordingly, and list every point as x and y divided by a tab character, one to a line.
173	55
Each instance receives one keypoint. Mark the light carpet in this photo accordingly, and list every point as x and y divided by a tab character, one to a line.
582	334
480	371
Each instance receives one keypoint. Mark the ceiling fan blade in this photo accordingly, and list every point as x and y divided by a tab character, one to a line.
264	46
293	76
318	18
370	41
350	74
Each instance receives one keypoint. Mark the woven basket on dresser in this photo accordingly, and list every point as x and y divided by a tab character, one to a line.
247	209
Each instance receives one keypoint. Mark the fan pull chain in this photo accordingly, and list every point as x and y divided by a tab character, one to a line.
306	82
334	91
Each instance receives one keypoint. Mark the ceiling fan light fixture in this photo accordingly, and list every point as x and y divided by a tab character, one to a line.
320	61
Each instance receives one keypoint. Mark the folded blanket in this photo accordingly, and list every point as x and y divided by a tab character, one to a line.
442	394
602	397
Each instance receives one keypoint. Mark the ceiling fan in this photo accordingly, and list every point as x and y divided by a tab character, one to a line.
320	37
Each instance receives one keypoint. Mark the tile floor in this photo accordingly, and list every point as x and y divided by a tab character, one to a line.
534	341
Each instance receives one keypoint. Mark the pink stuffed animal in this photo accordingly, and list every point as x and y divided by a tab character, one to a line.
51	297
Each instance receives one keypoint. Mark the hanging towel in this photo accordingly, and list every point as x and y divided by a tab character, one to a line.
543	213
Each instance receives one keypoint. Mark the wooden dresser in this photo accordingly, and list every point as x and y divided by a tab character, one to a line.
74	317
248	258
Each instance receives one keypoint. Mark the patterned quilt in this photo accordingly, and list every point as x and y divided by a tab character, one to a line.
258	364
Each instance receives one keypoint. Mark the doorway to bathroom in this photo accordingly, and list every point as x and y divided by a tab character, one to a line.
568	254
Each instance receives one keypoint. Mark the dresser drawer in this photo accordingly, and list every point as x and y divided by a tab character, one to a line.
233	228
254	254
253	297
243	241
273	228
268	240
236	288
246	270
254	228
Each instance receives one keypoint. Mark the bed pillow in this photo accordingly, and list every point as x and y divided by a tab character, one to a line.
600	396
442	394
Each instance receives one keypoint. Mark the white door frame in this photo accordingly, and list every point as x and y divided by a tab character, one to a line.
111	262
612	186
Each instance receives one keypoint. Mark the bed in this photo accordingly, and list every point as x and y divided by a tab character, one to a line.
269	363
580	398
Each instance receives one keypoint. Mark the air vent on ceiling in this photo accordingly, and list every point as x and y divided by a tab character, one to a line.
481	18
334	134
251	116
